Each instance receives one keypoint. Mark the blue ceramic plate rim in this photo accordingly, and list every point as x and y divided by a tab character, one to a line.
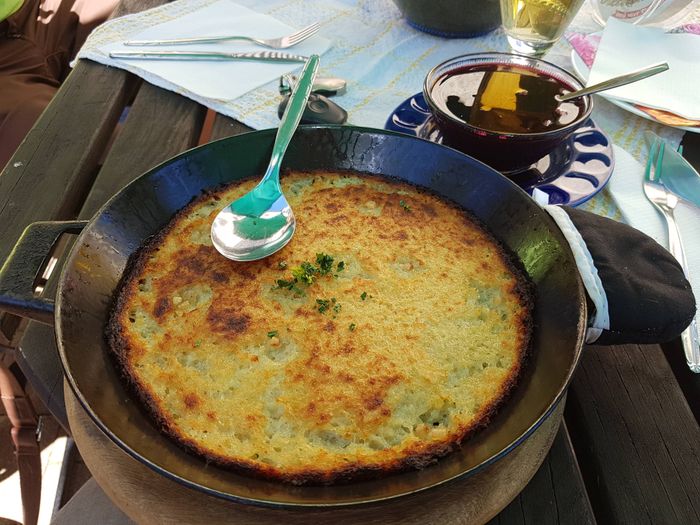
588	155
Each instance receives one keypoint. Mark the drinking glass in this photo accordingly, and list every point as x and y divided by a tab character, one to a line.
533	26
633	11
664	13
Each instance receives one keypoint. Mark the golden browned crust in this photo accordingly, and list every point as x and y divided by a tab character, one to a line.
383	365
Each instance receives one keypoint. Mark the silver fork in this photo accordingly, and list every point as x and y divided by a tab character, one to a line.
273	43
665	202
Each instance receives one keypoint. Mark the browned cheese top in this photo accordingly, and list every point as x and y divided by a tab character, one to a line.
387	330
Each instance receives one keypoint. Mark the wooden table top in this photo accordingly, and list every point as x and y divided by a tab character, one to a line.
629	448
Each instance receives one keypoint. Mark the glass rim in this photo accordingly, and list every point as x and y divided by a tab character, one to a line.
497	57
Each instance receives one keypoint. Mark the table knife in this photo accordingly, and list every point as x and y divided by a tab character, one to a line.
270	56
681	178
677	173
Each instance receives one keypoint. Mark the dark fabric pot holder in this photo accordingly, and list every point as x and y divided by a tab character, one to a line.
637	288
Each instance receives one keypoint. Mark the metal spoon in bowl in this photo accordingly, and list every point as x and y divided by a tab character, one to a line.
261	222
614	82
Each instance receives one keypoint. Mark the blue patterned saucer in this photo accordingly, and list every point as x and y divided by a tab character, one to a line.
571	174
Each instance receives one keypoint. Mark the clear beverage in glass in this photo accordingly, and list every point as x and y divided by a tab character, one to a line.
533	26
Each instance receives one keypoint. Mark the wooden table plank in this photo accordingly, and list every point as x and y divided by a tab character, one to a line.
556	494
689	382
637	440
160	124
52	171
227	127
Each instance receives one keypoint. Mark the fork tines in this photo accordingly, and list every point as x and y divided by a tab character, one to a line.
305	33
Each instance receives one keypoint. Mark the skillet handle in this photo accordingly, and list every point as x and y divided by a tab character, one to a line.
18	275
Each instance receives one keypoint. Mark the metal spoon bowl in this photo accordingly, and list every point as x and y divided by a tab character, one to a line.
262	222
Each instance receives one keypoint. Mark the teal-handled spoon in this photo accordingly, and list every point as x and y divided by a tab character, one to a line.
262	222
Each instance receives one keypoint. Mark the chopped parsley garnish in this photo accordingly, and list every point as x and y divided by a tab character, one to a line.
363	295
404	205
323	305
306	273
282	265
352	327
197	343
283	283
325	263
289	284
272	333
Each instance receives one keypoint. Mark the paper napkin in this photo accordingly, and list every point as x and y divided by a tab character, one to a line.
204	81
626	47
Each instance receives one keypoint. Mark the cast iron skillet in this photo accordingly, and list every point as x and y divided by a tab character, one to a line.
101	252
